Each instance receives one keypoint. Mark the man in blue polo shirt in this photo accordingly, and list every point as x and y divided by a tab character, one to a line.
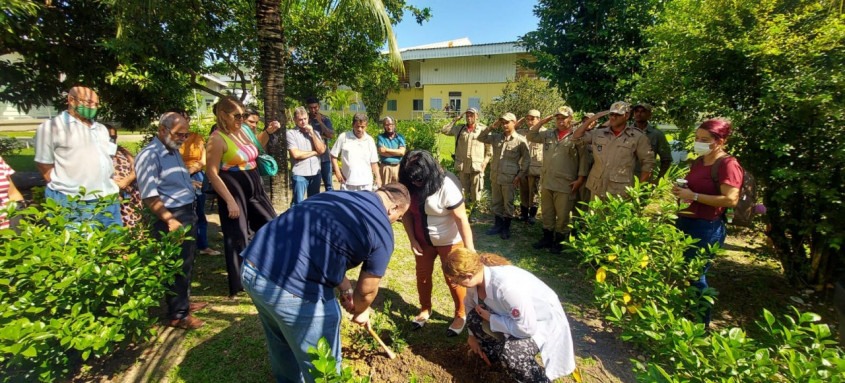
391	148
295	262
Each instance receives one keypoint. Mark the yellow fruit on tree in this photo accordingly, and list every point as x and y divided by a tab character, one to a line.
601	274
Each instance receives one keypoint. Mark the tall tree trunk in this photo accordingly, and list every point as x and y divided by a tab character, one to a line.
273	56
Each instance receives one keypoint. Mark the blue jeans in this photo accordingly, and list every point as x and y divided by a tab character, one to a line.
326	173
706	233
292	325
202	222
302	185
83	211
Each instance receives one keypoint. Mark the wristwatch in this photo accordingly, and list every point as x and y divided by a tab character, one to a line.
347	292
695	197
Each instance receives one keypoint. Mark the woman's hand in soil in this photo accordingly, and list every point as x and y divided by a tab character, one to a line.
483	313
476	348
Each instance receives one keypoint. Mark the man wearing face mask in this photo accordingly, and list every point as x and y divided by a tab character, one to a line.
74	155
168	192
357	151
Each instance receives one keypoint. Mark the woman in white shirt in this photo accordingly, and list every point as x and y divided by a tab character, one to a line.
512	315
437	224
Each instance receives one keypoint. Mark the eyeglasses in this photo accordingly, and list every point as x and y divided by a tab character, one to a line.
183	136
240	116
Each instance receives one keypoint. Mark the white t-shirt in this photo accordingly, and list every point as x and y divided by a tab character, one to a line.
80	155
357	156
441	225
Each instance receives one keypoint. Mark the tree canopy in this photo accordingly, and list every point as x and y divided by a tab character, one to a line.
590	49
775	67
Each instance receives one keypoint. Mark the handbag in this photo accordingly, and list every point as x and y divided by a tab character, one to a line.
266	164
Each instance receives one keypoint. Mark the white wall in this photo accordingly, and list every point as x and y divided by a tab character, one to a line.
468	70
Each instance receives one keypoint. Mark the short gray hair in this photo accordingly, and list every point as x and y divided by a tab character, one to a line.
359	117
300	111
169	120
388	119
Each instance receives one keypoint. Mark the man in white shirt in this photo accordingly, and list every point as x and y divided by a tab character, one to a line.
359	157
74	155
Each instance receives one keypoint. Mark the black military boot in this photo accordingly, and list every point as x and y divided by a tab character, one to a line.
545	242
556	246
532	215
506	228
497	227
523	213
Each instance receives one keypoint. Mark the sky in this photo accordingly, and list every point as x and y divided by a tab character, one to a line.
483	21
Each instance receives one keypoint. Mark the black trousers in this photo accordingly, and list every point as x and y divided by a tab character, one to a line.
178	301
256	210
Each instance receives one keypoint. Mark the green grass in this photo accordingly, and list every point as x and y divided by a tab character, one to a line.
23	161
24	133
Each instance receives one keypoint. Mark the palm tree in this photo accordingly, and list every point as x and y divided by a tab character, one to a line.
274	54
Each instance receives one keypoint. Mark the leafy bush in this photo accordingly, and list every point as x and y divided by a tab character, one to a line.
9	145
325	371
69	294
795	349
418	134
642	285
637	258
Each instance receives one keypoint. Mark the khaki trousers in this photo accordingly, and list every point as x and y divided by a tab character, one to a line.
529	191
472	183
556	207
388	173
502	199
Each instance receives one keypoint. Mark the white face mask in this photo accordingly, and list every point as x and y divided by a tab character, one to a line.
701	148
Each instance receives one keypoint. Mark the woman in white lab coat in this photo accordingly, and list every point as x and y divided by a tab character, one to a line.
511	316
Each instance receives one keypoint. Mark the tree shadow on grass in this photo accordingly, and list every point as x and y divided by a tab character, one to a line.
238	353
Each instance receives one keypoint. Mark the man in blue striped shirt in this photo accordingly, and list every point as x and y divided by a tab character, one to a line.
167	190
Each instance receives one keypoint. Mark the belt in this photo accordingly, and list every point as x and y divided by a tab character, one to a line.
386	164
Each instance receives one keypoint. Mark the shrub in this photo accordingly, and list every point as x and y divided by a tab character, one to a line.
325	366
796	349
642	285
71	293
636	257
9	146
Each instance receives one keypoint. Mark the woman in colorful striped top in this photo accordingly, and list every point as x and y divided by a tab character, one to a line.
230	169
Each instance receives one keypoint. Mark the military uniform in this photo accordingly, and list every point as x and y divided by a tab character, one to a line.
471	157
563	163
659	146
529	188
510	160
615	158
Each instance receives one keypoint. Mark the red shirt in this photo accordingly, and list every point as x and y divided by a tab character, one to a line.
701	182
